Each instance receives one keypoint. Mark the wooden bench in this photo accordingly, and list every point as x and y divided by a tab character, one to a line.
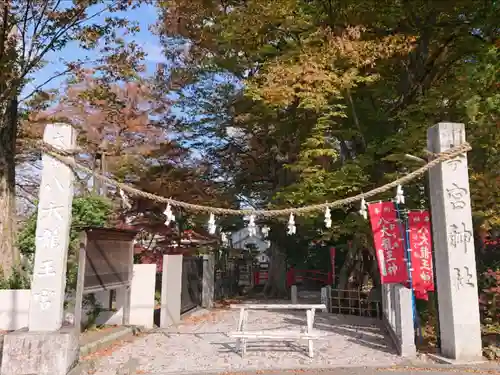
307	333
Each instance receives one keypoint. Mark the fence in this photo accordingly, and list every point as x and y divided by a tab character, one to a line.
300	276
226	281
260	277
398	317
353	302
191	290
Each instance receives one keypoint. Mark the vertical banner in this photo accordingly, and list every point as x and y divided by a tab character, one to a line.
421	253
389	243
332	261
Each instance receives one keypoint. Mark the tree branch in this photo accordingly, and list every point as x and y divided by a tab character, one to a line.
37	88
31	63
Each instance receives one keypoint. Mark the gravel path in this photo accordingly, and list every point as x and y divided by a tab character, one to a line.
200	344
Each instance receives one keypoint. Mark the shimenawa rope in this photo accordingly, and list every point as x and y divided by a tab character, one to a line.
64	157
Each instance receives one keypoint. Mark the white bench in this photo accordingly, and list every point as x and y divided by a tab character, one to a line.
307	333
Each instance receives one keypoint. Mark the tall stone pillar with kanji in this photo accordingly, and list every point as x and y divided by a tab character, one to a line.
456	276
48	347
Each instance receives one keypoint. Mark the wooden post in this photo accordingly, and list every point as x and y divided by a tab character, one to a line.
243	327
128	291
82	258
310	319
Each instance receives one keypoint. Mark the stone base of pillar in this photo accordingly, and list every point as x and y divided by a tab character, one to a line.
40	353
462	362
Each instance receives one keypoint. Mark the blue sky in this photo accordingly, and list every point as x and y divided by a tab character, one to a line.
146	15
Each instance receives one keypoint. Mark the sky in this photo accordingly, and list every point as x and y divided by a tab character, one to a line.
145	15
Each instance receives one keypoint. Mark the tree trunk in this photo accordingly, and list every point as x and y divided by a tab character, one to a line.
347	267
375	272
9	256
276	280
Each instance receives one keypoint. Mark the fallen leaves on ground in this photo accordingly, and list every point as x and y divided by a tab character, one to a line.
107	351
394	368
459	370
276	371
195	319
225	303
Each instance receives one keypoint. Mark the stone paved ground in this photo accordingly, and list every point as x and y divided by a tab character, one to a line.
200	345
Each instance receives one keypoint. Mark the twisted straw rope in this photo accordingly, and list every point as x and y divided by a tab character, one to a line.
62	156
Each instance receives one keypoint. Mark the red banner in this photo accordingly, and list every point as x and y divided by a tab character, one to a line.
421	253
332	261
421	294
389	243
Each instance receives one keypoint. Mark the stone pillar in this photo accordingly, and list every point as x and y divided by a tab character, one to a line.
454	247
328	298
324	298
52	234
47	348
293	292
404	321
171	288
398	318
208	281
142	304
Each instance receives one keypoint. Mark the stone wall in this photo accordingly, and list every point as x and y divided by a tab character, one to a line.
14	309
398	318
14	304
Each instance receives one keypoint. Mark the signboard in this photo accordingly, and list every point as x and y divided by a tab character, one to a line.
108	259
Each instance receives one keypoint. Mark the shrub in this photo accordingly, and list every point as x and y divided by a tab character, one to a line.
490	296
17	280
87	211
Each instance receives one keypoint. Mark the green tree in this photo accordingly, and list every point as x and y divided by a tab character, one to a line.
29	31
304	102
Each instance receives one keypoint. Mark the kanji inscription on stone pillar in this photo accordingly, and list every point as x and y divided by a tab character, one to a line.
52	233
454	247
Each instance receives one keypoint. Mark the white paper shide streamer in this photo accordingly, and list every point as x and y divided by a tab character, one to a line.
252	228
265	231
292	229
400	196
125	200
328	218
211	224
169	215
225	239
362	210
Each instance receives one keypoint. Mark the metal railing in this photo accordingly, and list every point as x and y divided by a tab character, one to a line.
354	302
